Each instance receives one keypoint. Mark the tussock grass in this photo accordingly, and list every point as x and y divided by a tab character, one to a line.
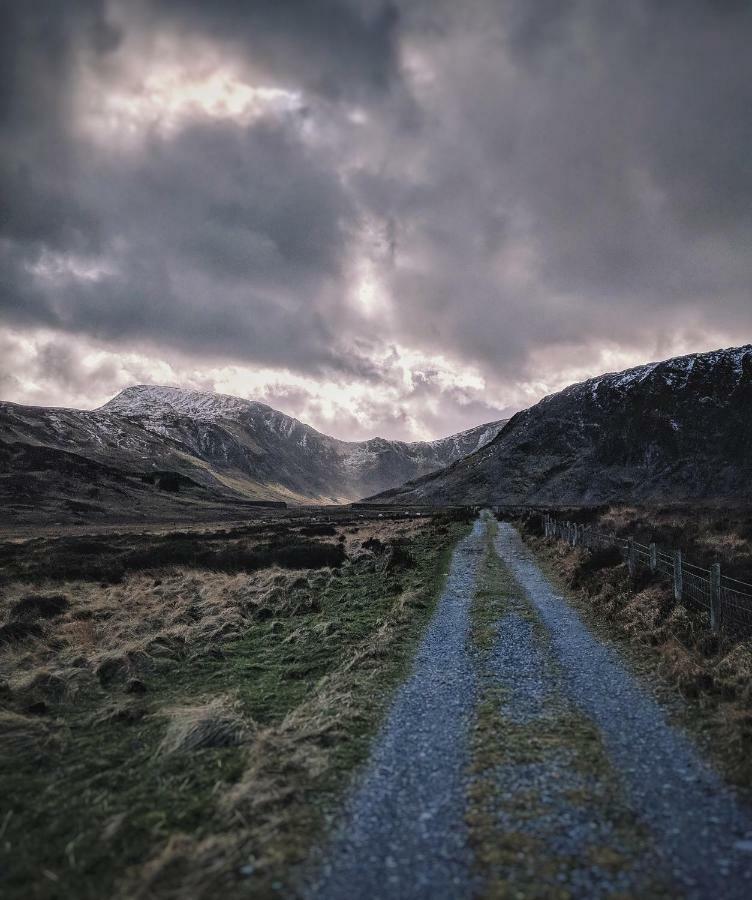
193	726
24	735
217	723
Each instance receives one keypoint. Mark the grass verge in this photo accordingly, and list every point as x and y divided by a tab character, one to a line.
706	685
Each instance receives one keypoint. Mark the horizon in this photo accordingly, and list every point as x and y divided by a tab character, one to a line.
384	219
491	422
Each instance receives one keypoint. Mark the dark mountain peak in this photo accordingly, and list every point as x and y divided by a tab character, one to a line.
674	429
675	373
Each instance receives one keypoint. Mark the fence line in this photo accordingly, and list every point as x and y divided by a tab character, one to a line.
726	601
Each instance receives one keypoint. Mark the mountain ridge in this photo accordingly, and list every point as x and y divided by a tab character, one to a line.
218	447
126	402
674	429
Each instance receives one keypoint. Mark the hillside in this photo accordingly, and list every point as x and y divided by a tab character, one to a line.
210	448
671	430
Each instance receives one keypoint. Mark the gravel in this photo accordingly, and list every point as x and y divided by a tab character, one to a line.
403	832
518	662
701	831
561	822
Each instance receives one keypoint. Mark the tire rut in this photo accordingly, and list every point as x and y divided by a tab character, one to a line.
701	832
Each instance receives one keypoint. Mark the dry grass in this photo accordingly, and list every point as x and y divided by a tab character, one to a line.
25	735
217	723
197	722
125	630
705	533
267	814
117	632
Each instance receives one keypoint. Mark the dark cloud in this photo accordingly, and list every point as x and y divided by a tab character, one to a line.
334	47
521	180
41	44
223	238
586	178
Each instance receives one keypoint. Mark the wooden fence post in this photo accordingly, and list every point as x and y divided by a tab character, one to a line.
653	557
678	586
631	558
715	597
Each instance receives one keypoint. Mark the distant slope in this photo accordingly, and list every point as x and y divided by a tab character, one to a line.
671	430
223	448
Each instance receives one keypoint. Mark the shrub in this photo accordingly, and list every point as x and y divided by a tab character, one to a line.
39	606
324	529
400	556
14	632
374	545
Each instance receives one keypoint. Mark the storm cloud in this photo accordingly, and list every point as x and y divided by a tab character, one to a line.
383	217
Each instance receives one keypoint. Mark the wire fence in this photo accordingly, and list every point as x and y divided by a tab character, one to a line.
726	601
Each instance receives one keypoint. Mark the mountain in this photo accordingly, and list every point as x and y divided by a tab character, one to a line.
671	430
202	448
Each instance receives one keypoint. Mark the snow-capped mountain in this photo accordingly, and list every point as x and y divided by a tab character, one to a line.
155	401
671	430
219	447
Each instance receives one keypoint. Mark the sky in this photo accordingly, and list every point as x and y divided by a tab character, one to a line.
383	218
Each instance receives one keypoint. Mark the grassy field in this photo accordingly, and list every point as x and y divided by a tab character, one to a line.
179	712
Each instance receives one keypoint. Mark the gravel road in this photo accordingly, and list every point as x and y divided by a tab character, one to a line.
651	819
403	833
702	833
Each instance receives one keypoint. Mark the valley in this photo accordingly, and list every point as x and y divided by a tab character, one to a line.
375	450
160	452
324	701
224	671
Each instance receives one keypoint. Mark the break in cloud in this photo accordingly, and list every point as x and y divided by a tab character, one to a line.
397	218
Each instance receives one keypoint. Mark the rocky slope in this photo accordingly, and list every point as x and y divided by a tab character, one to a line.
677	429
211	447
